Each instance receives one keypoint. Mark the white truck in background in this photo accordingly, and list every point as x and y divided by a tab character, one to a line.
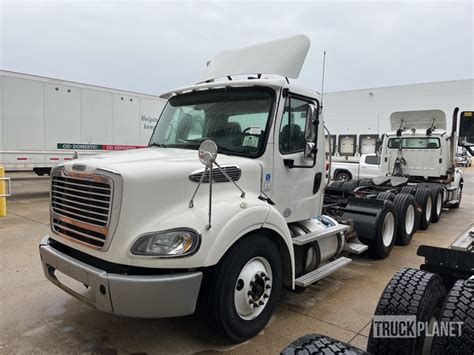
44	120
366	167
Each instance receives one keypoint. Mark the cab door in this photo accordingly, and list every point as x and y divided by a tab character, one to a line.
297	192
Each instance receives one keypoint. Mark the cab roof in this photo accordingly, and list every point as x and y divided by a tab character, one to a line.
421	119
276	84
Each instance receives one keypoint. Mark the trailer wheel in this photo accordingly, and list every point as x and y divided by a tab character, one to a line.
350	185
385	234
423	198
409	292
386	196
319	344
242	290
342	176
438	197
458	307
405	206
407	190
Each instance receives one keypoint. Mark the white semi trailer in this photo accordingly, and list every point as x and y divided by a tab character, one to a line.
44	120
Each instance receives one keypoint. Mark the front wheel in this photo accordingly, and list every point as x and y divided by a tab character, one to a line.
342	176
242	291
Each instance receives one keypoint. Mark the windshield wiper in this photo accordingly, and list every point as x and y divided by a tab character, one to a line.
154	144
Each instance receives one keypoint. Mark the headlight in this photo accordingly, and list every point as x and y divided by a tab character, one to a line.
167	244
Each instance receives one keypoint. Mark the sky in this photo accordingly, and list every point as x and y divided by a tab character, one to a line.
155	46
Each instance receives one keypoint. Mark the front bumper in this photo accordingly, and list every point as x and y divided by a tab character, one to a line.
159	296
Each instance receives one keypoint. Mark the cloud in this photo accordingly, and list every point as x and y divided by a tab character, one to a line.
155	46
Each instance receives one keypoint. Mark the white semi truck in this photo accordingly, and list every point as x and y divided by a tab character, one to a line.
418	177
161	231
155	233
44	120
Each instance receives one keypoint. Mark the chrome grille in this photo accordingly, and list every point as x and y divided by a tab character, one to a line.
82	234
81	208
233	171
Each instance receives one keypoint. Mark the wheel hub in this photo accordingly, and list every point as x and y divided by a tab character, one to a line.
253	288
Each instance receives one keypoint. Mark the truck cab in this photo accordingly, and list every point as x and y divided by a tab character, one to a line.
220	211
420	137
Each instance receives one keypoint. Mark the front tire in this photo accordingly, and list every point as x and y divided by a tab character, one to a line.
243	289
342	176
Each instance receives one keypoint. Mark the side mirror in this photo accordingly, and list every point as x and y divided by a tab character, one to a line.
311	132
466	129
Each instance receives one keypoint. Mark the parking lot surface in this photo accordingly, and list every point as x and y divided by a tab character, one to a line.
38	317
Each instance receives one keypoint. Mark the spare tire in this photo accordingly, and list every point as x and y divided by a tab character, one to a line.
319	344
386	196
424	200
458	307
405	206
409	292
385	232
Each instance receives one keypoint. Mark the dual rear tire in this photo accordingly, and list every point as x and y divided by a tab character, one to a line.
385	232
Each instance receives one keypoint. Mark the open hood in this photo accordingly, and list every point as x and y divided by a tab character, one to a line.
283	57
422	119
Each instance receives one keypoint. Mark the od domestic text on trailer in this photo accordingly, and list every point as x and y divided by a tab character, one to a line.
418	178
43	121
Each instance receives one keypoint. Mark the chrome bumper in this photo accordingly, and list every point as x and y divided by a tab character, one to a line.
160	296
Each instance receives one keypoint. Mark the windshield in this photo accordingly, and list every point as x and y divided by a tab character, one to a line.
414	143
237	119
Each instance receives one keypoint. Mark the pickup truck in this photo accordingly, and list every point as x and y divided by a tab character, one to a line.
366	167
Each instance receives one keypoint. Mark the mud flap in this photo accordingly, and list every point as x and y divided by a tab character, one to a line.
364	214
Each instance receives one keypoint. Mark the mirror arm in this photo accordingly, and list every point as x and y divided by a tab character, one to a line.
290	163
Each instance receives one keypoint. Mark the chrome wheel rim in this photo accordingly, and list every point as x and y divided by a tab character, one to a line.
429	207
410	219
388	229
439	203
342	178
253	288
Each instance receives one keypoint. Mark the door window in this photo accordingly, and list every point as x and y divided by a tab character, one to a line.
291	139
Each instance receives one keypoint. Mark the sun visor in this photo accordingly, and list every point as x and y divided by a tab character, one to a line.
422	119
283	57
